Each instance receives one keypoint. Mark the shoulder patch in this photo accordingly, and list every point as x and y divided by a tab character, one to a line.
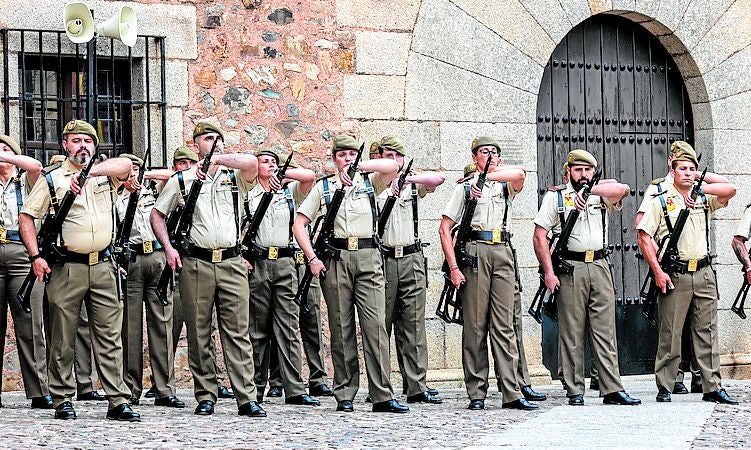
557	188
49	169
657	181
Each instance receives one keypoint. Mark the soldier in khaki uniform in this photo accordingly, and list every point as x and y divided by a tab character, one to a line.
487	297
691	288
213	272
145	267
742	234
18	173
405	271
354	277
87	270
586	293
273	276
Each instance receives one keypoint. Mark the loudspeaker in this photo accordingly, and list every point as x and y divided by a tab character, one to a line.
78	22
121	26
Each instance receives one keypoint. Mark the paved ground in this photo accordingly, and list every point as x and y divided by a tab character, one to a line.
687	422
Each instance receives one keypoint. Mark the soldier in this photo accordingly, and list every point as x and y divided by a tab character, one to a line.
273	275
145	267
657	186
586	293
487	300
354	276
18	173
213	271
405	269
86	271
691	288
738	244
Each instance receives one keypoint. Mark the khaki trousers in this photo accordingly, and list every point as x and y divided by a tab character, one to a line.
69	285
274	315
588	295
522	373
488	309
356	281
224	285
140	291
30	341
405	315
695	293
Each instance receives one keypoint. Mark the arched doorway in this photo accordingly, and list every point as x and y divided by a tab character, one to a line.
611	88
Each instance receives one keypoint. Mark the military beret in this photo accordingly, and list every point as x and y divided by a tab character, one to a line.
481	141
580	157
136	160
682	146
469	169
344	142
80	127
565	166
10	142
393	143
268	152
283	161
206	128
183	152
686	155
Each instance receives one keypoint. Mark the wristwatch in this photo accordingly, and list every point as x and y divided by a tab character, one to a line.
35	257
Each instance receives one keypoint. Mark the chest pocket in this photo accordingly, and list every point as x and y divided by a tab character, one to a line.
102	195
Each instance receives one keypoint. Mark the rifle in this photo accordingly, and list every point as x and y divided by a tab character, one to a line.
737	307
560	265
263	205
325	234
182	228
669	260
388	205
450	296
48	235
123	252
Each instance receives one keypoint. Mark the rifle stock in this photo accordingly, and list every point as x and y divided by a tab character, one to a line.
740	299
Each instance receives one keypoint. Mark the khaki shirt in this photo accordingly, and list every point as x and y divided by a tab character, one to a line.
744	226
90	224
141	231
9	201
399	230
274	230
215	222
490	207
652	191
354	218
587	233
693	241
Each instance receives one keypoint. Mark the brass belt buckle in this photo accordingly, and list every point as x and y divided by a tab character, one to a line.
497	237
148	247
589	256
353	243
692	265
273	253
299	258
93	258
216	255
3	236
398	251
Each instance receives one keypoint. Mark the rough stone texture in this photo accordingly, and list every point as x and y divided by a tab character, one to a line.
518	141
421	139
720	85
669	13
382	53
374	96
449	34
551	17
698	18
727	112
391	15
726	37
438	91
512	22
576	10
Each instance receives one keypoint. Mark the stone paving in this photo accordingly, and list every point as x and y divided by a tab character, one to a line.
687	422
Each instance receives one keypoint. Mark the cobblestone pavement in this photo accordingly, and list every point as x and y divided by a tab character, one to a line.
443	426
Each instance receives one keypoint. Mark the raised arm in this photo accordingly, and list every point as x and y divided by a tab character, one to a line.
430	180
246	163
611	190
306	177
31	166
723	191
514	175
387	169
158	174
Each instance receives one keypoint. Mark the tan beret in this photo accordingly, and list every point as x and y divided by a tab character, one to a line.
681	146
686	155
10	142
268	152
481	141
580	157
80	127
345	142
136	160
565	166
206	128
393	143
183	152
283	161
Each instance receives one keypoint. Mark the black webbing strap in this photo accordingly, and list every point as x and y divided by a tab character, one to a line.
181	183
373	207
504	185
235	203
291	206
415	219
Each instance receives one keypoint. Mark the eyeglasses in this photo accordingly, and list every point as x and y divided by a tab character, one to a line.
486	152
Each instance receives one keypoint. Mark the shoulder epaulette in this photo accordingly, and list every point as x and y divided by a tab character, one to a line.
49	169
557	188
657	181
